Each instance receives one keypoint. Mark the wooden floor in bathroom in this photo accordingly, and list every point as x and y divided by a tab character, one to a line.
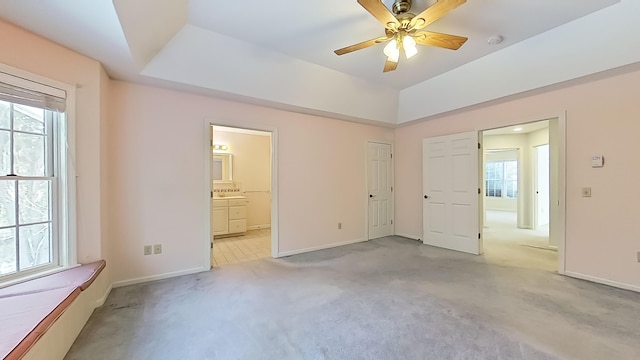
255	244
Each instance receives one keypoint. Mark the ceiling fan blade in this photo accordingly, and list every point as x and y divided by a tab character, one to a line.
379	11
434	12
446	41
390	65
362	45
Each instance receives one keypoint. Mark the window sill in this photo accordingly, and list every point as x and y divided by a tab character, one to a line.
36	275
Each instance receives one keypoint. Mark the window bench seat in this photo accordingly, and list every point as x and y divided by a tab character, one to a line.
29	309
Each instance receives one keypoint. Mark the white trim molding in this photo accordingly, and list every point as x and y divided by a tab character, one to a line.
409	236
206	192
104	297
145	279
602	281
321	247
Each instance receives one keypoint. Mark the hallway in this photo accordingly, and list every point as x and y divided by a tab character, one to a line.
505	244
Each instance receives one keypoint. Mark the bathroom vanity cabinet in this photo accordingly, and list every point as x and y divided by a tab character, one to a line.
229	216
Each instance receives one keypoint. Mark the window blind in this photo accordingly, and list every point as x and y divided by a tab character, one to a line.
17	90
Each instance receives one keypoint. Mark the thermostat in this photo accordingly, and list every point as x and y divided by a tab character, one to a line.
597	161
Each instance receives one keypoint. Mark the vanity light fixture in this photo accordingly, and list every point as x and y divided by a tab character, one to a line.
220	147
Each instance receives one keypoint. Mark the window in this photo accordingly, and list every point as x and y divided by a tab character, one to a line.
33	178
501	179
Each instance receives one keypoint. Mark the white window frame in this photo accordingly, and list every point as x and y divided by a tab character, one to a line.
64	194
504	181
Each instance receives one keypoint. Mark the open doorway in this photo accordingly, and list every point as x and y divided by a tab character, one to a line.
516	180
241	195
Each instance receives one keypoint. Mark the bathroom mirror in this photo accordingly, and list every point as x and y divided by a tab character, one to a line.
221	167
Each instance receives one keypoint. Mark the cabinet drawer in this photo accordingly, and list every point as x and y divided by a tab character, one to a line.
237	212
220	203
237	202
237	226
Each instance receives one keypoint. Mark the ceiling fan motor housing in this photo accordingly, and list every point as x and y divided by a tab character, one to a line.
401	6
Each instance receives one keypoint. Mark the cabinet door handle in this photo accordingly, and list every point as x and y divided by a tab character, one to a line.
426	196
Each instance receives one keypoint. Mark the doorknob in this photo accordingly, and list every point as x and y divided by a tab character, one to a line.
426	196
371	195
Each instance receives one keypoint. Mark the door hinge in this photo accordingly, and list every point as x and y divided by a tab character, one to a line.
478	236
212	194
391	221
211	245
392	189
479	191
391	156
478	145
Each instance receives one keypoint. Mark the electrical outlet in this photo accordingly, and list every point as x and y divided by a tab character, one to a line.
339	225
147	249
157	249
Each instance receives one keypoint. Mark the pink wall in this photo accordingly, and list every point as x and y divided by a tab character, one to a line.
152	143
157	179
602	235
29	52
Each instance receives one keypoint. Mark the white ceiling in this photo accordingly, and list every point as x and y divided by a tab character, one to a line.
280	53
311	30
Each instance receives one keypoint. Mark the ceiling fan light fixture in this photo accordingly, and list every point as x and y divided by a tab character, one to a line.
392	50
409	45
394	57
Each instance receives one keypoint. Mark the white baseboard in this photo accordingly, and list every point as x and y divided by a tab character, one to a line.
602	281
104	297
409	236
502	209
258	227
159	277
322	247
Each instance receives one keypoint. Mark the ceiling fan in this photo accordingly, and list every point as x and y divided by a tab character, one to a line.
402	29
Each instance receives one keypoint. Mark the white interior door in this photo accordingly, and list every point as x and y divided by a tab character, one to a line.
380	190
542	186
451	182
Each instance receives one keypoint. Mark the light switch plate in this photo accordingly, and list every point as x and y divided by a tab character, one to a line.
586	192
597	161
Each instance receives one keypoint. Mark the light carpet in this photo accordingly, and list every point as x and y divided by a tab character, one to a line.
390	298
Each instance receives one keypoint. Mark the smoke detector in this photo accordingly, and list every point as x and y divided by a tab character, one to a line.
494	40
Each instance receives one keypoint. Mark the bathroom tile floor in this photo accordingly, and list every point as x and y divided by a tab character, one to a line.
255	244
